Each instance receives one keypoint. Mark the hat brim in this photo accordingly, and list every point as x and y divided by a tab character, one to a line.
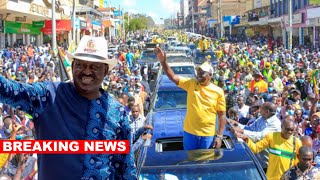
93	58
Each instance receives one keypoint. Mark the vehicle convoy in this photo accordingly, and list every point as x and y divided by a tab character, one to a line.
164	157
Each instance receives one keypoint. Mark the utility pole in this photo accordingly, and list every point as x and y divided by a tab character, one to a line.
192	13
124	30
290	26
73	21
54	40
220	19
120	27
128	18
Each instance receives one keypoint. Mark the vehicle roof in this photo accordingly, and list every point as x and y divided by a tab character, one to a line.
169	123
165	83
170	59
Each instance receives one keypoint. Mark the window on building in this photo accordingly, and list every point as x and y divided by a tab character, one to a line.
297	4
281	8
286	5
304	3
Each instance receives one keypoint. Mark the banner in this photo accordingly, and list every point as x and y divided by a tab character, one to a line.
21	28
65	146
61	26
117	13
38	24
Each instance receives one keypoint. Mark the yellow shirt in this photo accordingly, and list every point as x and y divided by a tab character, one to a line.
3	159
280	152
203	103
218	54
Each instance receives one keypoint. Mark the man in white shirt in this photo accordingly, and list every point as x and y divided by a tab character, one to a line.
268	122
243	110
277	82
138	127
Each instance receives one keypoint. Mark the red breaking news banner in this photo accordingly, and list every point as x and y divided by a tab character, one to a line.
65	146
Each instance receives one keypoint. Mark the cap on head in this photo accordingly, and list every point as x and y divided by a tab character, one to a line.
296	91
93	49
268	65
206	67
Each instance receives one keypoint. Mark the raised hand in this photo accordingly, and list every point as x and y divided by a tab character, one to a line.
161	55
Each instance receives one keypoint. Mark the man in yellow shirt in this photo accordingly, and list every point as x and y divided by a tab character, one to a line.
283	149
204	101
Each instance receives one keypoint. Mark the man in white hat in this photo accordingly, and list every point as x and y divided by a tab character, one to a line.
78	110
204	102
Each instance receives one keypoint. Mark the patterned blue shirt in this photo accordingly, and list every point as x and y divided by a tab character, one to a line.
61	113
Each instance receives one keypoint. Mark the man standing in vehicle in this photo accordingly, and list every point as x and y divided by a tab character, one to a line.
204	102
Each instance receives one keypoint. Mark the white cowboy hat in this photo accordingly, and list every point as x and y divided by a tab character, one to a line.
93	49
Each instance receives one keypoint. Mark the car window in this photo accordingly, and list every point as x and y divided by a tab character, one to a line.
148	55
182	70
171	100
173	44
151	45
203	172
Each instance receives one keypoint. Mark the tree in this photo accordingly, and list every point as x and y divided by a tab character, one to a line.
138	22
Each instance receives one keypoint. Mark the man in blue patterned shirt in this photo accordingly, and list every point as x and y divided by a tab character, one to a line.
80	110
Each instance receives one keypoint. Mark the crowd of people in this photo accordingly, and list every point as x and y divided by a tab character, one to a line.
271	100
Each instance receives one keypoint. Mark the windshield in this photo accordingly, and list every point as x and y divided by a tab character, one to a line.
151	45
173	44
203	172
182	70
171	100
148	55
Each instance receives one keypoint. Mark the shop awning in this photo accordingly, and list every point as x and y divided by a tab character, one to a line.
61	26
106	23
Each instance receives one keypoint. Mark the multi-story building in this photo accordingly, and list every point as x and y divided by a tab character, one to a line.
29	22
184	11
228	8
110	22
279	21
23	22
192	11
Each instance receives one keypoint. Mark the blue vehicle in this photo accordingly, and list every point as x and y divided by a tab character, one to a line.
200	56
164	157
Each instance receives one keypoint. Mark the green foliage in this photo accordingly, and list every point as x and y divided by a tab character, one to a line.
137	22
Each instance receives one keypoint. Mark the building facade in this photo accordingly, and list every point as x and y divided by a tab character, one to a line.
184	10
23	21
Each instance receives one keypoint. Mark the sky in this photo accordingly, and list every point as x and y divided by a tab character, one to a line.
155	8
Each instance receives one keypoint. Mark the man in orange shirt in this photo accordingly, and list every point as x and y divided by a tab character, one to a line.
258	82
30	53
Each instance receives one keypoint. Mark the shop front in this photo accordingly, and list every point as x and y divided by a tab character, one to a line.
96	29
313	26
83	27
63	28
17	33
298	27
